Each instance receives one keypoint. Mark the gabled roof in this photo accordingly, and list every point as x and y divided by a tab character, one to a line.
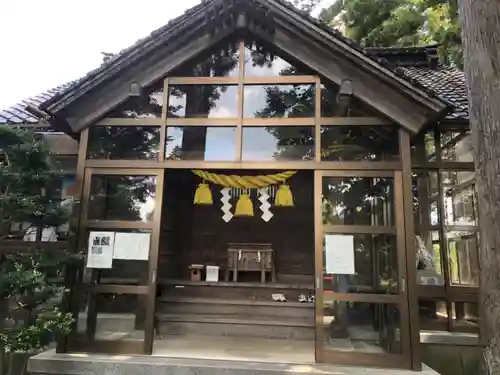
417	78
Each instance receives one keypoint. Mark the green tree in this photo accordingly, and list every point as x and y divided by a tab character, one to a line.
30	318
403	23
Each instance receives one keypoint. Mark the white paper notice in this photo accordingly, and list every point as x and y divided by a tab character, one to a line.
100	254
132	246
339	254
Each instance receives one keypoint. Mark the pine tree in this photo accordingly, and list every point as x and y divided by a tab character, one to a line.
30	317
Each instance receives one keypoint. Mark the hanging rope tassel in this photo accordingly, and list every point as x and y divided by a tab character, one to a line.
284	197
244	207
203	194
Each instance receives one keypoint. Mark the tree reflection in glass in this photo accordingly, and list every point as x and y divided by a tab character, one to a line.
358	201
123	142
278	143
359	143
122	198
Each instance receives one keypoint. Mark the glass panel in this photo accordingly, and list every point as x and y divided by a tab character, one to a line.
128	198
359	143
429	260
333	105
463	257
201	143
459	198
465	317
262	60
204	101
433	315
111	317
279	101
362	327
425	199
375	265
147	105
278	143
123	142
358	201
221	61
430	146
65	163
456	146
123	271
68	193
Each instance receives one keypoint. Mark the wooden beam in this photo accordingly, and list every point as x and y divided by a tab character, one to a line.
87	110
388	100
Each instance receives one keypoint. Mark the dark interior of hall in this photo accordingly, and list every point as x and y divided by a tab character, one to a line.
197	234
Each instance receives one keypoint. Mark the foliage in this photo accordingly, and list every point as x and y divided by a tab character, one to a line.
403	23
30	316
306	5
26	171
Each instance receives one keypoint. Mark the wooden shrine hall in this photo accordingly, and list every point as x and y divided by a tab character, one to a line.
254	186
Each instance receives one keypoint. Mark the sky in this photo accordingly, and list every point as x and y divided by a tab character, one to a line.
45	43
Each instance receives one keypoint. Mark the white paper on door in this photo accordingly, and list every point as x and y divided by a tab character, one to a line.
132	246
100	252
339	254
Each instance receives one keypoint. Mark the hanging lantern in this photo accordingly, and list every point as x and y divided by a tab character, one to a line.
203	194
284	197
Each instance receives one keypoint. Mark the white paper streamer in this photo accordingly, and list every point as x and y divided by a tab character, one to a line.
265	206
226	204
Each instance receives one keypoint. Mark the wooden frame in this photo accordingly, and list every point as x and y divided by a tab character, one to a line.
400	299
448	293
407	297
321	168
145	292
240	122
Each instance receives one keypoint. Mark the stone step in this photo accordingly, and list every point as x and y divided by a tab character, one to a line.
223	325
52	363
233	307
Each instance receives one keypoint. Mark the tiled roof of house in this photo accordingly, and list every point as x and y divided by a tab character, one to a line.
416	65
448	83
18	115
421	64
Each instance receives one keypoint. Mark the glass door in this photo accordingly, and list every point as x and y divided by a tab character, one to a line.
361	301
119	237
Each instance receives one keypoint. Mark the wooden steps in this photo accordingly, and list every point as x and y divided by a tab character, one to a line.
196	305
234	309
231	290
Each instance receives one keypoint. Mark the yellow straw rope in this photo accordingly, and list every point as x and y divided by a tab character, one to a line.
246	182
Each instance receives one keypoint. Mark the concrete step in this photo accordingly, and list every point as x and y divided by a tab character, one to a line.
233	307
235	326
52	363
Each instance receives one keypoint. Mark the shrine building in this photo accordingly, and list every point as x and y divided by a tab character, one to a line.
255	187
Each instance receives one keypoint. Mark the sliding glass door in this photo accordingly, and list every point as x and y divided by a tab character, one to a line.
362	305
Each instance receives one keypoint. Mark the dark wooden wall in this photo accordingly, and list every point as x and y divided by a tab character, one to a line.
198	234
